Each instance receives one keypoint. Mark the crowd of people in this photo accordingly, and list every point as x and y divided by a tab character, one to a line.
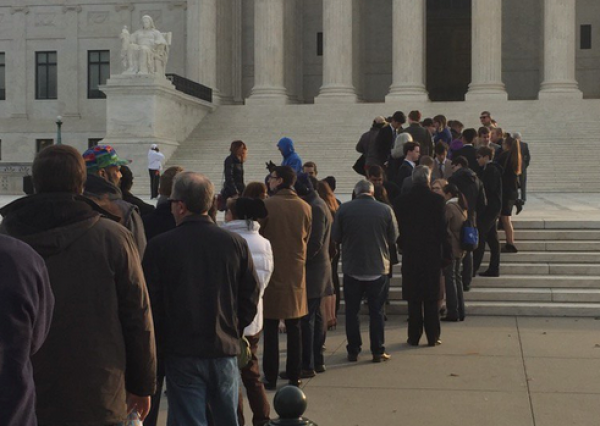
106	297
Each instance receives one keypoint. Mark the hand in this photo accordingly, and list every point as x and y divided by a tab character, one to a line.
141	404
270	166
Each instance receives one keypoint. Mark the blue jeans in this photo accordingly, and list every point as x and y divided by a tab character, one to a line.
194	383
377	292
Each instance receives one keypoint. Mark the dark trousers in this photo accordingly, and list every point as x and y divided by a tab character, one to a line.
455	302
313	335
154	179
271	349
336	281
152	416
376	292
423	314
488	233
467	275
255	391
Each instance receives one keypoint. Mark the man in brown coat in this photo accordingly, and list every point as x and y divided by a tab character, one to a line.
287	227
99	360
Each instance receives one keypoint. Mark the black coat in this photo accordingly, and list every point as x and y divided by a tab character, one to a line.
318	262
404	171
143	207
203	289
423	242
470	186
384	143
159	221
510	180
470	153
234	177
491	177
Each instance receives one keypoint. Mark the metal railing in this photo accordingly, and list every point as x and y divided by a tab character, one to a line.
190	87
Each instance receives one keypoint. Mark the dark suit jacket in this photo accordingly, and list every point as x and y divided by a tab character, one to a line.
491	177
422	137
384	143
470	153
525	155
423	242
404	171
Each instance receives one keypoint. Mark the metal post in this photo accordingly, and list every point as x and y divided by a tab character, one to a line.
290	403
58	131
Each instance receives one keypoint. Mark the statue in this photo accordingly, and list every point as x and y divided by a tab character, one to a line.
146	51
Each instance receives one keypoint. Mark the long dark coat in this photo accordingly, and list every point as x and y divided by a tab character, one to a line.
423	242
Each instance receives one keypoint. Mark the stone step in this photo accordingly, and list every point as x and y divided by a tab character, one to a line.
547	256
559	295
546	309
528	281
554	269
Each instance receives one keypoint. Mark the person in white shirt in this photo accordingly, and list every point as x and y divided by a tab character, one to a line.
155	165
241	218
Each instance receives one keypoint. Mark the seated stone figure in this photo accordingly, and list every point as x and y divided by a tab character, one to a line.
146	50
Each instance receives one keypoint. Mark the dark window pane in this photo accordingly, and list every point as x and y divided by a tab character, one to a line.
52	57
94	56
41	58
94	77
52	82
319	44
42	89
105	55
586	37
2	59
2	78
104	73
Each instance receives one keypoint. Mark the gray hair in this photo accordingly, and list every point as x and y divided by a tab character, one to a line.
517	135
421	175
363	187
195	190
401	139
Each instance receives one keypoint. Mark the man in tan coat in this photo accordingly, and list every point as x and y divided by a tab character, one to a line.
287	227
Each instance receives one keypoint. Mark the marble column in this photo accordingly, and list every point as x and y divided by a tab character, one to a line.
338	53
486	52
269	53
68	60
16	91
409	50
559	51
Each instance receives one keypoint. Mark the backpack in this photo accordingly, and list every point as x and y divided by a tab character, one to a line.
469	236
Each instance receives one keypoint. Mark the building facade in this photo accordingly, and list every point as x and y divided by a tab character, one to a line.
54	55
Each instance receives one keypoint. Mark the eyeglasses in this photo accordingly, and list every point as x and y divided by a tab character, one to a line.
484	116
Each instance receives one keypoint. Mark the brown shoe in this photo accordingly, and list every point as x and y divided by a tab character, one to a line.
381	357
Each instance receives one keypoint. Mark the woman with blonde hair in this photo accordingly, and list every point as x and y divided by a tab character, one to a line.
511	161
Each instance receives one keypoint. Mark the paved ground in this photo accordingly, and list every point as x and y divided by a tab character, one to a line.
492	371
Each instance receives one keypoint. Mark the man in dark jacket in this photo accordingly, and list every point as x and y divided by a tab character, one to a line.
470	186
125	186
26	304
419	133
386	137
491	176
425	250
318	278
468	150
366	143
102	186
412	152
204	292
99	359
526	156
366	229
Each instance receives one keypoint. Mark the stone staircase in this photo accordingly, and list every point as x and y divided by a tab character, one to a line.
560	136
555	273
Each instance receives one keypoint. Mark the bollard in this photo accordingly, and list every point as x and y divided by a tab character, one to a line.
290	403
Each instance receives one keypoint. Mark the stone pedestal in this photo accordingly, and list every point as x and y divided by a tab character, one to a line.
338	53
408	52
559	51
486	56
142	110
269	51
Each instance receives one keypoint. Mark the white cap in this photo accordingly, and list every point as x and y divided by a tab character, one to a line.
153	146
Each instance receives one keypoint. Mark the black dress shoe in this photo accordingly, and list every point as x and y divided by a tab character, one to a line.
466	288
489	273
352	357
436	343
320	368
411	343
270	385
381	357
449	319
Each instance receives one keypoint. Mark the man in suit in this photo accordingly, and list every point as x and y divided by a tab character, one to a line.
496	138
484	136
412	151
386	137
468	150
491	177
442	167
419	133
425	249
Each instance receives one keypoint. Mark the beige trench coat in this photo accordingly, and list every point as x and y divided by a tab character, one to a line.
287	227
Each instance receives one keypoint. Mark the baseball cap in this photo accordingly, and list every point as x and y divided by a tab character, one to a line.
153	146
102	156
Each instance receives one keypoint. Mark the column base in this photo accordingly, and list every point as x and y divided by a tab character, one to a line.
407	93
486	91
336	94
268	96
560	90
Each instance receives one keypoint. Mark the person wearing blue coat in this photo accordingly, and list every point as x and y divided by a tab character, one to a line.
290	157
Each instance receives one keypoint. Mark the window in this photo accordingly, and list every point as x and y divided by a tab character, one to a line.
45	75
586	37
42	143
0	149
319	44
2	77
98	72
92	142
